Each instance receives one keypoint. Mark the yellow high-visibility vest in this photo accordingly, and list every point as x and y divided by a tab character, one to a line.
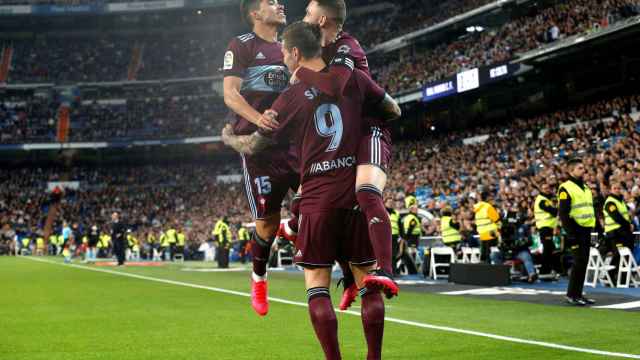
243	234
581	204
417	230
484	224
171	236
609	223
543	218
394	217
449	234
223	231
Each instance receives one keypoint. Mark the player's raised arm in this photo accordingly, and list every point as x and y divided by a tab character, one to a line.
236	102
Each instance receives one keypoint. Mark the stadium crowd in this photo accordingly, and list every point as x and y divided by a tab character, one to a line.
162	56
405	17
152	199
33	119
410	68
514	161
108	58
510	162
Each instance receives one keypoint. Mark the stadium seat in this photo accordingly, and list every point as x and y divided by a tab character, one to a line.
470	255
156	255
285	258
598	270
628	270
440	251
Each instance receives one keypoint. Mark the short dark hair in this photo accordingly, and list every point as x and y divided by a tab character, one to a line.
306	37
574	161
246	7
338	8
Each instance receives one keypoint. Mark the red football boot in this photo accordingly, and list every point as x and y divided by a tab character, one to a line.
259	300
349	295
381	281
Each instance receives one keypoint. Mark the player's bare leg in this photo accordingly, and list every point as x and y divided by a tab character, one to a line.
370	183
261	242
372	312
323	317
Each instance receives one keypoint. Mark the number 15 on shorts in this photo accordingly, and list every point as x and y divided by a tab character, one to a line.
263	184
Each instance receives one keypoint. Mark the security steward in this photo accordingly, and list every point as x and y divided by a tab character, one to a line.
617	226
172	239
223	240
450	229
182	240
488	223
394	219
577	215
118	237
243	239
546	216
412	230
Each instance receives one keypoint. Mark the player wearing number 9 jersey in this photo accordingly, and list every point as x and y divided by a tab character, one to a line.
343	53
327	132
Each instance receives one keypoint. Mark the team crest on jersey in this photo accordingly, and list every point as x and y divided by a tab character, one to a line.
228	60
277	79
344	49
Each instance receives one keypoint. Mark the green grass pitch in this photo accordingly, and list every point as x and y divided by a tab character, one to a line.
49	311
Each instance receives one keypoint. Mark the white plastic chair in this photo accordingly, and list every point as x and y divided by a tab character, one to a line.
629	268
178	258
440	251
597	270
470	255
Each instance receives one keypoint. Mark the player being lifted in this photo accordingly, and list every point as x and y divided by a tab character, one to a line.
327	132
343	53
254	76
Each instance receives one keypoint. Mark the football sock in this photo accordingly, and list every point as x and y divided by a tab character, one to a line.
379	225
260	254
373	322
324	321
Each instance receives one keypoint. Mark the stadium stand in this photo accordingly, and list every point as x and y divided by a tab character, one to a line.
152	197
409	69
511	162
115	114
517	158
399	18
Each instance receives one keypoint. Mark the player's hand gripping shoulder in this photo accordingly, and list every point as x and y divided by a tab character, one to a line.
267	121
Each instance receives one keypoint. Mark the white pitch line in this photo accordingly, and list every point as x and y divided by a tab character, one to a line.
387	319
623	306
